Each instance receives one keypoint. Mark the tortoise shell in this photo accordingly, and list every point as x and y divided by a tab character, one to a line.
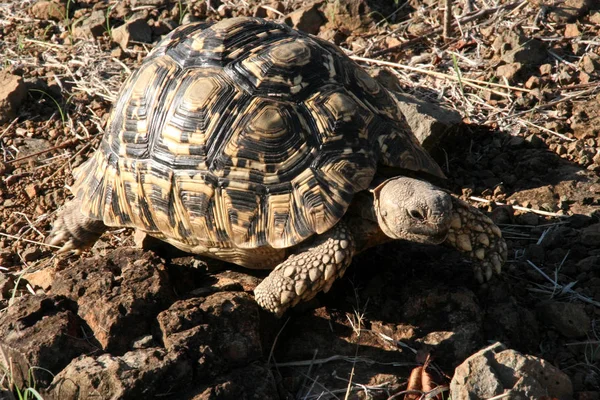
243	133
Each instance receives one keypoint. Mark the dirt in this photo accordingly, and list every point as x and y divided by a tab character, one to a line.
126	323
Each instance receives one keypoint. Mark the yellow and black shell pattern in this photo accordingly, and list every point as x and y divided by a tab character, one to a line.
243	133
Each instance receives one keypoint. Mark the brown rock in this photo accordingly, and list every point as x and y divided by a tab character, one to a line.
118	295
12	94
7	284
509	71
590	236
532	82
546	69
570	10
595	18
254	381
92	27
32	190
218	332
570	319
49	10
136	30
572	30
44	332
42	278
588	64
496	370
308	19
134	375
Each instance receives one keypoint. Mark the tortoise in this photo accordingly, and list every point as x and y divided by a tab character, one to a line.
253	143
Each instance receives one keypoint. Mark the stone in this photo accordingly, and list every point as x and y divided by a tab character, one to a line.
569	10
41	278
545	69
217	332
134	375
12	94
155	3
572	30
91	27
118	294
136	30
514	47
307	19
428	121
591	263
509	71
595	18
49	10
42	331
590	236
496	370
532	82
569	319
31	254
32	190
7	284
254	381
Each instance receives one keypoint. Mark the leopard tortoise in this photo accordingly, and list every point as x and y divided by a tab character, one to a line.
253	143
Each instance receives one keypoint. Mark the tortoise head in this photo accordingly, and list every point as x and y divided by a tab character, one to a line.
412	209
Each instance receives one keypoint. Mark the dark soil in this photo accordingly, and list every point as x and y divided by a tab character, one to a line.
527	152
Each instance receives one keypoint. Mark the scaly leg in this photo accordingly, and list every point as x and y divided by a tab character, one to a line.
313	267
473	233
74	231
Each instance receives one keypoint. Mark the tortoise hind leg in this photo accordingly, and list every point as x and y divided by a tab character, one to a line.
473	233
312	268
74	231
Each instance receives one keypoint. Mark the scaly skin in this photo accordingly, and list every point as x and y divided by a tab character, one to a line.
304	274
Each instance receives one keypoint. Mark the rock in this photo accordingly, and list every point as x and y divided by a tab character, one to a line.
91	27
590	236
532	82
42	331
7	284
308	19
545	69
31	254
118	295
595	18
48	10
217	332
591	263
428	121
12	94
518	48
570	10
511	322
134	375
254	381
32	190
155	3
42	278
509	71
572	30
136	30
570	319
496	370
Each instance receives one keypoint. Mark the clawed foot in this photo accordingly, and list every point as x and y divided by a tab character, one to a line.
477	236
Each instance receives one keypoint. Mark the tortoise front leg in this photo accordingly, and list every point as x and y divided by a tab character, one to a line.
313	267
473	233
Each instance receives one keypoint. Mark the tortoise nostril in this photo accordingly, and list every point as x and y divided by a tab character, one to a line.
416	214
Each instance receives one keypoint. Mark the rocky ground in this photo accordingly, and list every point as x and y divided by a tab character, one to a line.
508	103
